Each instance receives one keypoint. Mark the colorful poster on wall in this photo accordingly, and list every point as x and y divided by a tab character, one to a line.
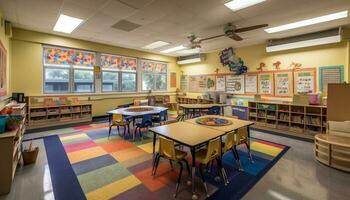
58	56
210	83
201	83
184	83
173	79
3	72
284	84
251	84
305	81
235	84
220	83
266	84
153	66
193	83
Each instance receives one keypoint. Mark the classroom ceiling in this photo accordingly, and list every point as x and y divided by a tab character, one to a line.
169	20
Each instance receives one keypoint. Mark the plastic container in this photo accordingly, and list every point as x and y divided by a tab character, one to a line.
3	120
314	99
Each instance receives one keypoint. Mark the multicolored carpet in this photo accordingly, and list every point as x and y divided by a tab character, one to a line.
85	164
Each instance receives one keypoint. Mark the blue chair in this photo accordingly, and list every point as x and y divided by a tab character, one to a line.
145	123
161	117
215	110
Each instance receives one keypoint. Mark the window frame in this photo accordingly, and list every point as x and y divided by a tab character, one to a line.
56	67
154	74
73	79
114	71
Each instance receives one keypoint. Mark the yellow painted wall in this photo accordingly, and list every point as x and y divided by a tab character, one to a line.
325	55
27	69
5	40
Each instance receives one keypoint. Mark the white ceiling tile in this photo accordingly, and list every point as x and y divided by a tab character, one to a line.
138	4
117	10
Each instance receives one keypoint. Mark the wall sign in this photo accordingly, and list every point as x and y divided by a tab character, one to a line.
173	79
305	81
184	83
266	84
251	84
220	83
235	84
284	84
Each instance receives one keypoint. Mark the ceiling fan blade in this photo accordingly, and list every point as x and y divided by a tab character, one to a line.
250	28
213	37
234	36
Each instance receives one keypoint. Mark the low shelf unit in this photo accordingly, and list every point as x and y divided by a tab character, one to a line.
287	118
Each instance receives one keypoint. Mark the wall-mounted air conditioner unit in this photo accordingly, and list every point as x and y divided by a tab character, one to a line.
182	60
307	40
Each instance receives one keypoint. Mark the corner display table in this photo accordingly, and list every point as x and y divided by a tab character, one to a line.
333	151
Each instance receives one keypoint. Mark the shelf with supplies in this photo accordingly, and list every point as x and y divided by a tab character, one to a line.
57	110
287	118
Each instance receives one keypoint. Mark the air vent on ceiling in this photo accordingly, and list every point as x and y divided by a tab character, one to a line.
125	25
182	60
306	40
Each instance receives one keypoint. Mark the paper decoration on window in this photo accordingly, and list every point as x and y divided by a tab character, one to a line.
235	84
220	83
266	84
284	84
58	56
251	84
84	58
3	71
152	66
118	62
304	81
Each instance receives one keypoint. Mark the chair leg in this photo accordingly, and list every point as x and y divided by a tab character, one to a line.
187	166
135	130
203	179
222	171
249	153
124	131
171	164
118	129
156	165
178	179
238	161
110	130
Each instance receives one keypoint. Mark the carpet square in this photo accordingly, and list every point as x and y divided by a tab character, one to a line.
85	154
93	164
138	192
265	148
103	176
113	189
73	138
128	154
97	133
85	144
116	146
107	140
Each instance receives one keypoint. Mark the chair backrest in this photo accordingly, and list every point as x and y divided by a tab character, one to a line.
241	135
163	115
167	148
118	117
147	120
229	142
215	110
213	150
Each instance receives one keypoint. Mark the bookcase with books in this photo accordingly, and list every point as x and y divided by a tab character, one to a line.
288	118
58	110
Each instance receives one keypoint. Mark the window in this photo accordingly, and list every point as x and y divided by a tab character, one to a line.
118	70
83	80
110	81
68	70
56	80
154	75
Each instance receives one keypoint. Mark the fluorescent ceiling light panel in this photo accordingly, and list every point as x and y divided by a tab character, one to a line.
241	4
155	45
178	48
308	22
189	51
188	61
67	24
305	43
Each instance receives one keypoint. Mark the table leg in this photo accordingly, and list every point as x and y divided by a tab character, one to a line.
193	152
110	124
223	172
248	146
154	147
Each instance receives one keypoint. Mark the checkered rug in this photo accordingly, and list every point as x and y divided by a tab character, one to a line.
119	168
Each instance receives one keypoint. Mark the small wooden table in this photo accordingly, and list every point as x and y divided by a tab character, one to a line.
188	134
192	108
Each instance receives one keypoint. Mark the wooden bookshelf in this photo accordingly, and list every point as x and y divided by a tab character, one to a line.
286	118
41	115
11	151
186	100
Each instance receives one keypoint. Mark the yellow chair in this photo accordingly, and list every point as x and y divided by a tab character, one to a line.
207	155
167	150
119	120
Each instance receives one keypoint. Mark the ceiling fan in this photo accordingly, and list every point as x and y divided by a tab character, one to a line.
230	30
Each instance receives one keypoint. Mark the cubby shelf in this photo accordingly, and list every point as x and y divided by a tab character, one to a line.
291	119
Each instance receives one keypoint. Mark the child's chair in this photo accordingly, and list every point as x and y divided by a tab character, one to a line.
162	117
215	110
145	123
119	120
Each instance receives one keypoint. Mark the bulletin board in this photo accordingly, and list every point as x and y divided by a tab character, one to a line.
266	83
305	81
235	84
173	79
251	83
283	83
221	83
184	83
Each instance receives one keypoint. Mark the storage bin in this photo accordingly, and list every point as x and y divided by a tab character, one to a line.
3	120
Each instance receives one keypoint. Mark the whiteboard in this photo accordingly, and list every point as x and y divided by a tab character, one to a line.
235	84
